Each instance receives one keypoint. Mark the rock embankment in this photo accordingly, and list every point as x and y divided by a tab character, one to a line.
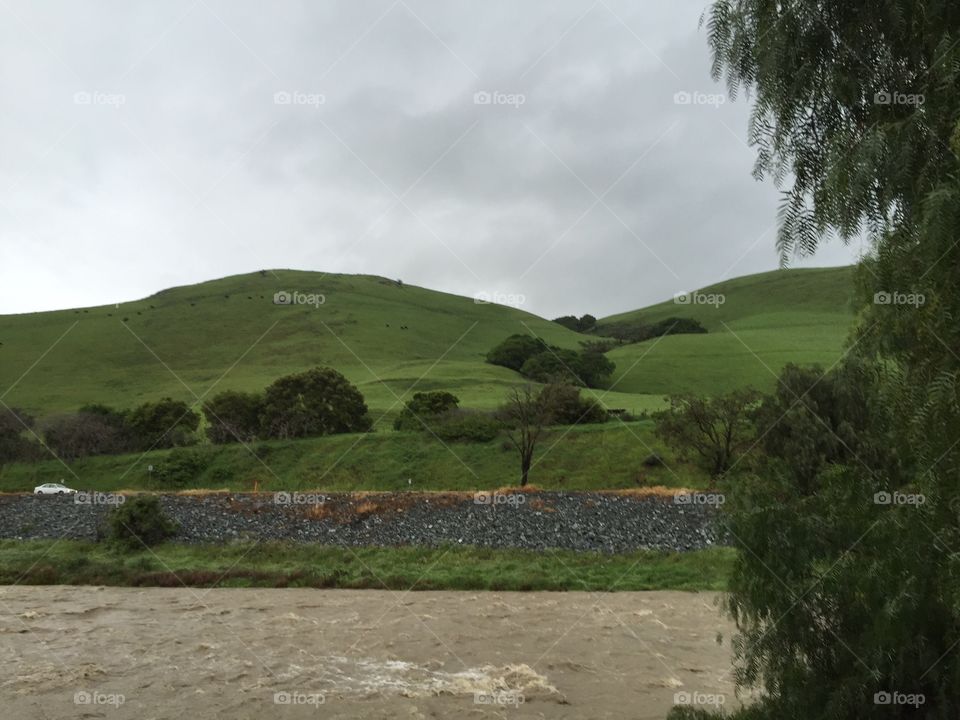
536	521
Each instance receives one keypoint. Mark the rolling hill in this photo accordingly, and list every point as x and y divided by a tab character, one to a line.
228	334
766	320
393	339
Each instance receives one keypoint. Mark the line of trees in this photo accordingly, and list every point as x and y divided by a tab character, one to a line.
317	402
537	361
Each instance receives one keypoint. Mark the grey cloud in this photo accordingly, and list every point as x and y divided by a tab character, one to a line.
198	172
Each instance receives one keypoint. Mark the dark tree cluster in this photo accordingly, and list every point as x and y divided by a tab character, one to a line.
439	414
320	401
16	442
543	363
583	324
638	331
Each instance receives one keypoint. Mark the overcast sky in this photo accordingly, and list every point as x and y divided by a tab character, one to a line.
531	149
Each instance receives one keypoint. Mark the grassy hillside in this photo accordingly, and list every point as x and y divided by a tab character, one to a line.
393	340
589	457
383	336
766	321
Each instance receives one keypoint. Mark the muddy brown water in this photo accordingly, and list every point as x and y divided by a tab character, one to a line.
116	653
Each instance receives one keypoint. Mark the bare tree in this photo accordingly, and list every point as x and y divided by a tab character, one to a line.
525	414
718	429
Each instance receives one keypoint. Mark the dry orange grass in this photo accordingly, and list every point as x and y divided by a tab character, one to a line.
368	508
319	511
652	491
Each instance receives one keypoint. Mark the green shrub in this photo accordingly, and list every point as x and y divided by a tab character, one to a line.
466	426
233	416
515	351
182	467
423	408
166	423
138	522
320	401
568	407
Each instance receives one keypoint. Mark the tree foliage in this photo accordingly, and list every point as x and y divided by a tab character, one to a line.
514	351
82	434
166	423
15	445
424	407
543	363
584	323
233	417
525	414
320	401
843	593
719	430
632	331
139	522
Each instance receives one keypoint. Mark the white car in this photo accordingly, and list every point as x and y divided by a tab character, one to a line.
52	489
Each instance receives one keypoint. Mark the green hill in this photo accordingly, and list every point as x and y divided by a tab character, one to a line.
765	321
229	334
393	339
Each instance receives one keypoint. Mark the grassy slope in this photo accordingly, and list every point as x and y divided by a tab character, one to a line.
47	562
207	331
769	319
590	457
228	332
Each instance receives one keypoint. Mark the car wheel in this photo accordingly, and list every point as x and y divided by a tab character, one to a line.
59	492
